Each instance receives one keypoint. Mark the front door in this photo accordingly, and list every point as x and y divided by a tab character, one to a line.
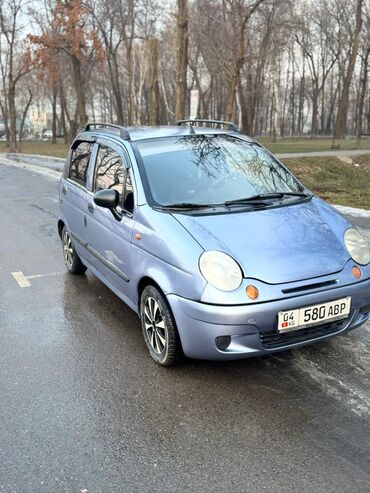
109	237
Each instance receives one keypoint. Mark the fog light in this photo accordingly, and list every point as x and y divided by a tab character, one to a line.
223	342
252	292
356	271
365	309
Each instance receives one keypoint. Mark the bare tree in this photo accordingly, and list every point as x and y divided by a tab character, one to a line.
277	67
315	38
240	14
17	63
340	124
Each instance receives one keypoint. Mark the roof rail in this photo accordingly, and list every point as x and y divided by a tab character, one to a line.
200	122
123	132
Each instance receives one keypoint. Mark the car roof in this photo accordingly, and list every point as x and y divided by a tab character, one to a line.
137	133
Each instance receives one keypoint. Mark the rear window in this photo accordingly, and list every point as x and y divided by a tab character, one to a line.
80	163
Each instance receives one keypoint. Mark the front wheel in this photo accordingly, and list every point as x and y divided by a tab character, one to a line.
159	327
71	258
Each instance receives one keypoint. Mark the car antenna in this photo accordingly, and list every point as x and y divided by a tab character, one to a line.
191	130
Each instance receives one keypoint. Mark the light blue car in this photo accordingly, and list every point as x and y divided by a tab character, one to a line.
221	251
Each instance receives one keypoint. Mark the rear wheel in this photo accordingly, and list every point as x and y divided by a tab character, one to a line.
71	259
159	327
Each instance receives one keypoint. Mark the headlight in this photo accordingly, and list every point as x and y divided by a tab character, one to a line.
220	270
357	246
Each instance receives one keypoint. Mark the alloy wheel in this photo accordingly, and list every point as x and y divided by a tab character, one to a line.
155	326
67	250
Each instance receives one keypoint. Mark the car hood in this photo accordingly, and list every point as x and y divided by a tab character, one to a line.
276	245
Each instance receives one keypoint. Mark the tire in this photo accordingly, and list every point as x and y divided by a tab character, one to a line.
71	259
159	327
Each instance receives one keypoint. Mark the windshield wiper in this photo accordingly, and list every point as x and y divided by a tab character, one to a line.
187	205
262	197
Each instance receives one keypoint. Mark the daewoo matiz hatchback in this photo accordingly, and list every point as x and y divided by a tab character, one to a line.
221	251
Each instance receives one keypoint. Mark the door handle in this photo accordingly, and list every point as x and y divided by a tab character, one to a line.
91	207
64	190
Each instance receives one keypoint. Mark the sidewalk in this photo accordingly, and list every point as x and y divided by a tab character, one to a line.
54	163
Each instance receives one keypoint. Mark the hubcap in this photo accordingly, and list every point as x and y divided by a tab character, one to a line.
155	326
67	250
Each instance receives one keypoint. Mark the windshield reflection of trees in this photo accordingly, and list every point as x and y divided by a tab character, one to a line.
222	156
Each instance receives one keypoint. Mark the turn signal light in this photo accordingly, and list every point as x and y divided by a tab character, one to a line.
356	271
252	292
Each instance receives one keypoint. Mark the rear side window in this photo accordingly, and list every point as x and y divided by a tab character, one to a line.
110	171
80	163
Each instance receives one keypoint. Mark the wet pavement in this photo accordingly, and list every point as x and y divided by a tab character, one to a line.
83	406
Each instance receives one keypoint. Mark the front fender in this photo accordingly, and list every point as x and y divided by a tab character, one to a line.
166	253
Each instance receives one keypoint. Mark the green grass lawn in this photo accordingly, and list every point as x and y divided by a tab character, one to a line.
308	145
40	147
333	180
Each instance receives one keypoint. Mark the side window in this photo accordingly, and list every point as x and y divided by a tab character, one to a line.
80	163
110	171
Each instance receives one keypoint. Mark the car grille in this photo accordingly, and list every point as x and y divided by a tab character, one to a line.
273	339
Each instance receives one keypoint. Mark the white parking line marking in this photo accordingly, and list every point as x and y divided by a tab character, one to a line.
37	276
23	281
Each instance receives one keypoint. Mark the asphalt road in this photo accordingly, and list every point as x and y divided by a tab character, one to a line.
83	407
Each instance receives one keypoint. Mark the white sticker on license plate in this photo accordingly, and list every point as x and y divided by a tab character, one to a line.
314	315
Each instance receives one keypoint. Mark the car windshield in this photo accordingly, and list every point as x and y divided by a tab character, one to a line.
208	169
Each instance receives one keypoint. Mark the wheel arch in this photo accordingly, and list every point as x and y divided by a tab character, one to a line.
143	283
61	225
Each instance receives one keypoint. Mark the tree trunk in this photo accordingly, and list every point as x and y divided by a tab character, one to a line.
292	98
283	118
4	111
315	109
54	116
80	92
24	116
233	86
63	113
361	101
130	110
302	90
181	58
116	86
12	119
341	120
153	85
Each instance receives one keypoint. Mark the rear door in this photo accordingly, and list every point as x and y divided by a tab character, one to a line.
109	238
75	195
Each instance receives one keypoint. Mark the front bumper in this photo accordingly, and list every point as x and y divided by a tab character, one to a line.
252	327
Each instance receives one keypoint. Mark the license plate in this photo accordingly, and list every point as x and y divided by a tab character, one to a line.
314	315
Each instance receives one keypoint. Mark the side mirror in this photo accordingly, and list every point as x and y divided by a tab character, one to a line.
107	198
